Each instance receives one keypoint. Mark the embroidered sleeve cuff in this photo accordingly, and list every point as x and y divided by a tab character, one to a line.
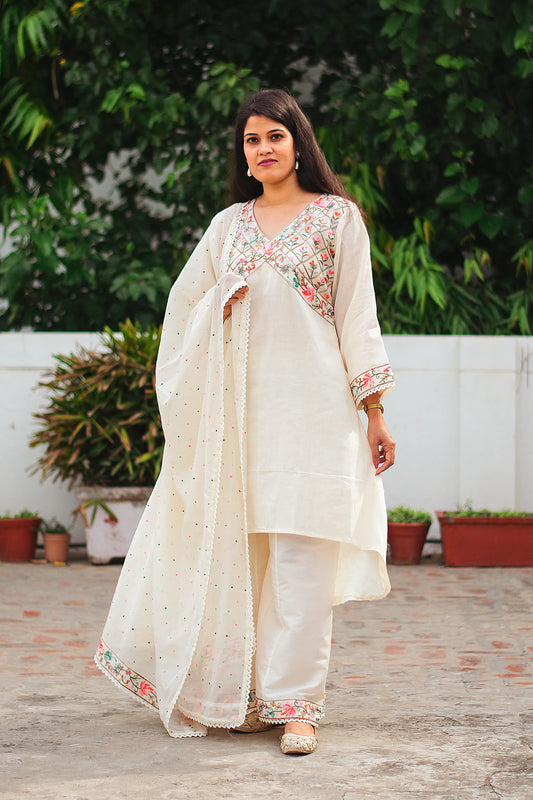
378	379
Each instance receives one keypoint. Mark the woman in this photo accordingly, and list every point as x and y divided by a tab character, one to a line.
269	508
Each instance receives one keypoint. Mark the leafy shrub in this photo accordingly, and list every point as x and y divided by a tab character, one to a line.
52	526
467	511
24	514
422	107
101	425
405	514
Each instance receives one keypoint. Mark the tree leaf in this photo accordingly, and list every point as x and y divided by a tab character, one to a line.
524	67
110	101
392	25
525	194
452	169
489	125
450	196
137	91
470	213
491	225
451	8
470	185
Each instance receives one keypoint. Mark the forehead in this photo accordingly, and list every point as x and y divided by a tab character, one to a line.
257	123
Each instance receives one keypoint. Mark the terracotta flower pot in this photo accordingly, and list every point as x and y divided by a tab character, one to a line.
486	541
56	546
406	541
18	538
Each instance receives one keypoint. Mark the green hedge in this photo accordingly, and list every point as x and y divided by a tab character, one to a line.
422	107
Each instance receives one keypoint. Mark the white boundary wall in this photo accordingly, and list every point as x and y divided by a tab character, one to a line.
462	416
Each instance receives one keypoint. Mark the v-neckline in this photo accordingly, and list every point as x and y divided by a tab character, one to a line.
289	225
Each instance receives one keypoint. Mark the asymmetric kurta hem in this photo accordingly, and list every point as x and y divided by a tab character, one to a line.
261	435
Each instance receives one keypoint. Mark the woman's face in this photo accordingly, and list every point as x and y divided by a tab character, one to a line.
268	149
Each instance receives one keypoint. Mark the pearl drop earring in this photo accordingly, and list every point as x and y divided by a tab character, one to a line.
249	173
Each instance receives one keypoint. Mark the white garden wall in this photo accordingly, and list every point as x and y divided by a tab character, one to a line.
462	416
23	359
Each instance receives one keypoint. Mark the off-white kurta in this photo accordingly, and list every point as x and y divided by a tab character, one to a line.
278	449
315	353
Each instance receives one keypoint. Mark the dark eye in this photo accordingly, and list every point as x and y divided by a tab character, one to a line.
276	136
251	140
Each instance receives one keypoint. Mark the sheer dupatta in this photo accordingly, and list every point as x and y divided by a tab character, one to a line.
179	634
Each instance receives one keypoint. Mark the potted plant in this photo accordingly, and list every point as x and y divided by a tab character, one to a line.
18	536
56	540
101	431
486	538
406	531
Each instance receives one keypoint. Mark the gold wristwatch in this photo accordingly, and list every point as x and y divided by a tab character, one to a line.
373	405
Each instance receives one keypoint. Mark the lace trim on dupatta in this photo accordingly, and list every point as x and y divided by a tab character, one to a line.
209	659
243	311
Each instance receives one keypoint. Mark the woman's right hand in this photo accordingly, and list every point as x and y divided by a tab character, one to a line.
239	294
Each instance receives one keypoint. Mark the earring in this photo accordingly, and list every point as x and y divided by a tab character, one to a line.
297	163
249	173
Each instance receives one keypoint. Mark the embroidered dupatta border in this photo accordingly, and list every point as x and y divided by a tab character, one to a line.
125	677
106	658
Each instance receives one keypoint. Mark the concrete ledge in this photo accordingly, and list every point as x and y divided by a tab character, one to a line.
461	416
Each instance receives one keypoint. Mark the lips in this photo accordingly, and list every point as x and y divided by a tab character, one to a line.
267	162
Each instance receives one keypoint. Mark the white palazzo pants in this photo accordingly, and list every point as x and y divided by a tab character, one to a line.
293	581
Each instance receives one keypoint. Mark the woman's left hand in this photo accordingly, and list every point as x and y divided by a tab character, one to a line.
239	294
382	445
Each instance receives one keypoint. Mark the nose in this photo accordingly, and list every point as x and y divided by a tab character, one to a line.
265	147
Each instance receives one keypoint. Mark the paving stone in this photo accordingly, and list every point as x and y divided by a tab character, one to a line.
430	697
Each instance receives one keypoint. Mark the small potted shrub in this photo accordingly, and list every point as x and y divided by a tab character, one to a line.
486	538
406	530
18	536
56	540
101	431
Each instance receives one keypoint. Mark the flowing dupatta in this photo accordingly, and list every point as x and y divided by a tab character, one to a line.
179	634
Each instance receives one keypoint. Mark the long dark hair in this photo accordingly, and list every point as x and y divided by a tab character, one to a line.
314	173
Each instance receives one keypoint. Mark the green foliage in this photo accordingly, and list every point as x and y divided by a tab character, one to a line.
28	33
24	514
441	113
101	425
466	510
404	514
86	256
52	526
421	107
22	115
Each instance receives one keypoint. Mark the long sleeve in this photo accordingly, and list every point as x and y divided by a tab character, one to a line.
356	319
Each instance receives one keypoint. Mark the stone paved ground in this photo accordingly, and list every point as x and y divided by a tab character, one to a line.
430	698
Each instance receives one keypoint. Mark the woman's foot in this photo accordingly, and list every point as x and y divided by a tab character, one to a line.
299	738
301	728
253	723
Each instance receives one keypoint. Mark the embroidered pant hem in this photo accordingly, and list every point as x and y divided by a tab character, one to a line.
293	585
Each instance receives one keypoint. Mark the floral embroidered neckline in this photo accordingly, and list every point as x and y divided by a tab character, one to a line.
288	227
303	252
